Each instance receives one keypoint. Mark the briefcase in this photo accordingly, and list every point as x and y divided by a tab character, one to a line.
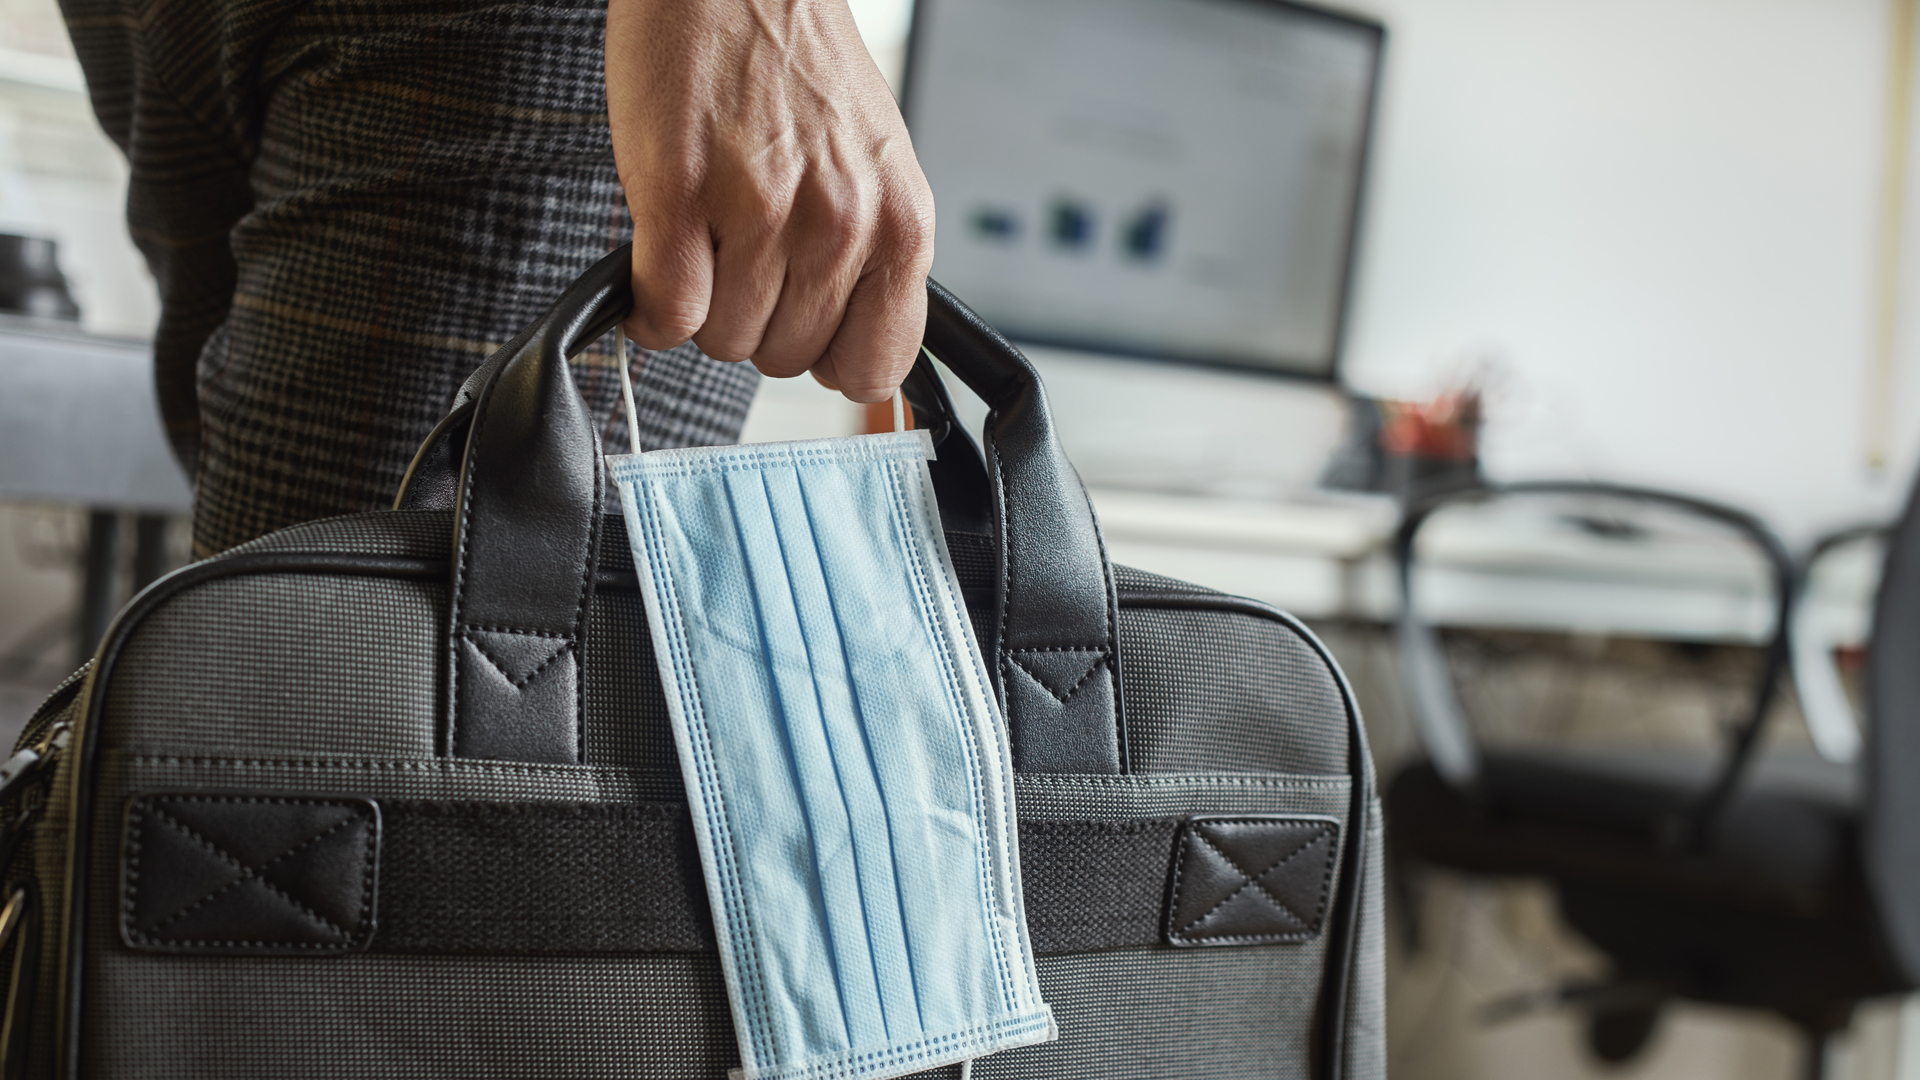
395	794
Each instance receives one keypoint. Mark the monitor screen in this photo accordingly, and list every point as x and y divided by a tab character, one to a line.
1167	178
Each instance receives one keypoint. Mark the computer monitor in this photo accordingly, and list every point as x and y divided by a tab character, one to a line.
1177	179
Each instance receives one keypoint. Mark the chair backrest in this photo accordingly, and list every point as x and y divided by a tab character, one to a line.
1832	721
1891	826
1436	711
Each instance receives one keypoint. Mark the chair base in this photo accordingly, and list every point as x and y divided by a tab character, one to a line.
1774	915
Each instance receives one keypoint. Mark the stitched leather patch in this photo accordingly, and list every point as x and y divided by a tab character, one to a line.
249	874
1251	879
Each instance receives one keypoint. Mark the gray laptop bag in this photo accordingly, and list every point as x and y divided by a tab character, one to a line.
394	794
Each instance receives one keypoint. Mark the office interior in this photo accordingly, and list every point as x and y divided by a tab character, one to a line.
1614	343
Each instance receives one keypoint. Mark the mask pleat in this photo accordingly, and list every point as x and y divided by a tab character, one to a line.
826	629
926	779
666	544
815	807
845	760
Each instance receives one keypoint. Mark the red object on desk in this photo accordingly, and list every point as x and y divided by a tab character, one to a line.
1446	428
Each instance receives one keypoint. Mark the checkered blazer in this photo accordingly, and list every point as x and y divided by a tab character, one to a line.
347	204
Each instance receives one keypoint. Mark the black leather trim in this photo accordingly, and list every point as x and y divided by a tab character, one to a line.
527	524
1343	931
249	873
1251	879
1055	590
71	945
959	474
432	481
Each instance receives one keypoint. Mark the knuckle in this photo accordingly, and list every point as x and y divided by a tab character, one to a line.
726	340
913	238
844	230
755	211
665	320
722	348
780	366
910	223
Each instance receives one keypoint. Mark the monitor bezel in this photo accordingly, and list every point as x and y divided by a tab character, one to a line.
1350	257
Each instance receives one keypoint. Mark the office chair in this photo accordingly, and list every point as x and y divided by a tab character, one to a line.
1830	713
1729	877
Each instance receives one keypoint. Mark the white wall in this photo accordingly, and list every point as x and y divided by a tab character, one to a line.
1658	217
1655	219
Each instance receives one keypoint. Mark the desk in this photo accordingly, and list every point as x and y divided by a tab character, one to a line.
1327	558
79	424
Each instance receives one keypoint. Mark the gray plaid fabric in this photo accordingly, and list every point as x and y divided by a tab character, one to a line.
347	204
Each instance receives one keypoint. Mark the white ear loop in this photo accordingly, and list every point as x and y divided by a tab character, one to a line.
626	387
899	411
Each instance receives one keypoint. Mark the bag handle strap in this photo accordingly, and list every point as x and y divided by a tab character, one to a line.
530	490
1055	636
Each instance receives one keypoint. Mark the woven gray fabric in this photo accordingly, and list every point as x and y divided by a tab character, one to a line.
419	534
1066	796
409	1017
382	778
348	205
302	664
1147	1014
627	721
1157	1014
1367	1005
323	726
1173	1014
1211	691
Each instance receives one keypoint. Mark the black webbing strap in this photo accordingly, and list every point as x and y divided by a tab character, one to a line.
539	877
555	877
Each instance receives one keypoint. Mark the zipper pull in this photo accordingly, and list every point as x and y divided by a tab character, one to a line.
19	769
29	763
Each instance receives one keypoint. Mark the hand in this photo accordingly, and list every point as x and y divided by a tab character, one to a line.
778	212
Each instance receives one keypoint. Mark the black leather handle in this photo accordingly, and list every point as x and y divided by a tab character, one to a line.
528	503
529	493
1055	638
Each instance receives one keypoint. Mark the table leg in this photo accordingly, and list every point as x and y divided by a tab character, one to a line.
97	592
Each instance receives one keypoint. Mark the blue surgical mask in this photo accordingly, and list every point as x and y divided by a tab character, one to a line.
850	781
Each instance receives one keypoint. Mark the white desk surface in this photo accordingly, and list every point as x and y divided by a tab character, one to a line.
1327	558
79	422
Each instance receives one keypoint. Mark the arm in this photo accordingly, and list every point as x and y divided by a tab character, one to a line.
778	211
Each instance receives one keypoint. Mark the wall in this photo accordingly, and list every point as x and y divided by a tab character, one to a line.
1658	220
1653	221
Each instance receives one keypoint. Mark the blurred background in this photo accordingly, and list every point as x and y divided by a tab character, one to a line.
1304	281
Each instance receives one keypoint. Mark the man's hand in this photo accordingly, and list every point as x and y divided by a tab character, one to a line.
778	211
